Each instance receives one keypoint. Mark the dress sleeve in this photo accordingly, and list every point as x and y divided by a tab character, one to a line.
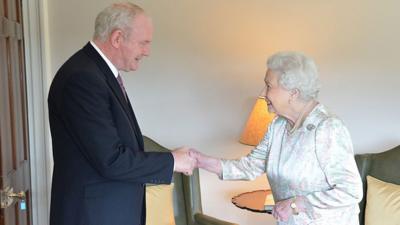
251	166
334	151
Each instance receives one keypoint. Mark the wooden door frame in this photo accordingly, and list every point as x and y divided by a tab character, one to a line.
38	79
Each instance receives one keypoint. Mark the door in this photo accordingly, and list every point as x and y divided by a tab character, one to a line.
14	146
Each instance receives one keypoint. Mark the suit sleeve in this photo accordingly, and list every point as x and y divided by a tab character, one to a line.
86	111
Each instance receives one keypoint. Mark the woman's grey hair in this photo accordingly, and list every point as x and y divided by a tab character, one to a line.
296	71
116	16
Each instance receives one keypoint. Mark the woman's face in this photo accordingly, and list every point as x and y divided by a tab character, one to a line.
277	97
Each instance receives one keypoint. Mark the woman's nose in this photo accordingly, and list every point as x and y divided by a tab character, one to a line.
264	92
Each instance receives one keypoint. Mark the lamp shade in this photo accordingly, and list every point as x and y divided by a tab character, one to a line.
257	124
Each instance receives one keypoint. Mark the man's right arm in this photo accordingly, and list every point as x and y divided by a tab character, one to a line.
85	111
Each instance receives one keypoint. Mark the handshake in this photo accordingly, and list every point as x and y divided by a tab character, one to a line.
187	159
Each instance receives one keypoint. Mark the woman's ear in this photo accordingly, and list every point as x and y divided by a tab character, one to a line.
116	38
294	94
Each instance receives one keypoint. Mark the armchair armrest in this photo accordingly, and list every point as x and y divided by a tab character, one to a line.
202	219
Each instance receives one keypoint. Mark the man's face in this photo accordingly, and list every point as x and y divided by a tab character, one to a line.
137	45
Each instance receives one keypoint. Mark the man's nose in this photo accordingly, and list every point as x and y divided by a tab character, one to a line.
146	51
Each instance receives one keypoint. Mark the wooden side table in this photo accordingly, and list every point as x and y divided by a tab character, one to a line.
253	201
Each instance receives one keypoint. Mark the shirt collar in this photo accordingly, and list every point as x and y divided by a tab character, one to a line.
114	70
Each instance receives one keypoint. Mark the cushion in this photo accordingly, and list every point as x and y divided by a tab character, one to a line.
383	203
159	205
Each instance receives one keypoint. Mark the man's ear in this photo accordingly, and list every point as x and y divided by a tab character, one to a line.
116	38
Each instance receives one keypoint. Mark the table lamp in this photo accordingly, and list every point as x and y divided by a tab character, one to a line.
257	124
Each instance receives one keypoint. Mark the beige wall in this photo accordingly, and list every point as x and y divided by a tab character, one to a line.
208	63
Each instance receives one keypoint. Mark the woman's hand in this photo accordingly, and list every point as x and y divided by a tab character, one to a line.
207	162
282	210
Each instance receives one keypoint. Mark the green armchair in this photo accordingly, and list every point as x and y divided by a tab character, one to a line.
384	166
187	201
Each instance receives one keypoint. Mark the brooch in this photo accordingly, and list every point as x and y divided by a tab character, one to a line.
310	126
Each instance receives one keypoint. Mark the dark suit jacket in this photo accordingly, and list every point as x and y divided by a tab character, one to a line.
100	167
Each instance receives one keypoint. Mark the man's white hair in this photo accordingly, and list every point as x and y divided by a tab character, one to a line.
296	71
116	16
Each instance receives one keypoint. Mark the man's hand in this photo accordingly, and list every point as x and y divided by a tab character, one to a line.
184	163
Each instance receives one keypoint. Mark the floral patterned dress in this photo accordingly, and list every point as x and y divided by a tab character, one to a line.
315	161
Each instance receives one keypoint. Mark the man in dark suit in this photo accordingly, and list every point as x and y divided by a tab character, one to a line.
100	166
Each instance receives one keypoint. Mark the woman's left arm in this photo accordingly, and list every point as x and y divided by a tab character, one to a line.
334	152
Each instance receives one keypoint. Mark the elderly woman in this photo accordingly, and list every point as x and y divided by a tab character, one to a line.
307	152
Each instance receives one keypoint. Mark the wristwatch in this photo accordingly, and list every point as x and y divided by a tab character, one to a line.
293	205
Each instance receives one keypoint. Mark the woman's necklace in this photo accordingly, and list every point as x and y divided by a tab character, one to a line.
310	105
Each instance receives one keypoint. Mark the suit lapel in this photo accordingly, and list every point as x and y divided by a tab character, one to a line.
116	89
138	133
111	80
